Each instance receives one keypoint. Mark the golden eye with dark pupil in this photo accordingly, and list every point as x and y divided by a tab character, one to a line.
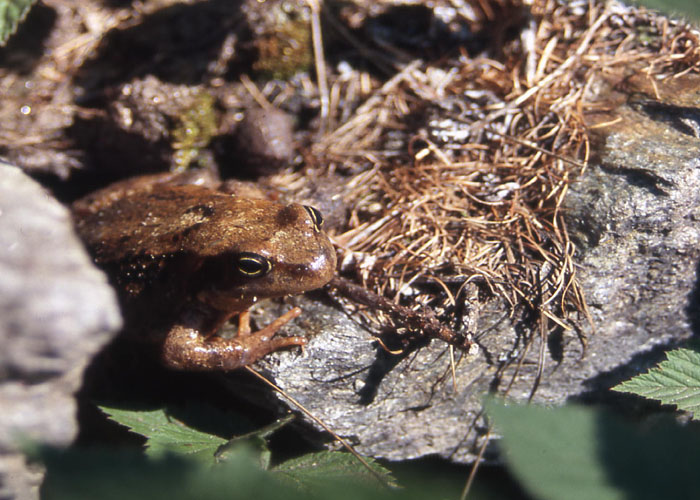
252	264
316	217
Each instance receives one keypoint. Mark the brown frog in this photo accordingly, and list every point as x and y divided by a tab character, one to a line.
186	256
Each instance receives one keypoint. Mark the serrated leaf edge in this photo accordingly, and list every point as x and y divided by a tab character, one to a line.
23	11
675	381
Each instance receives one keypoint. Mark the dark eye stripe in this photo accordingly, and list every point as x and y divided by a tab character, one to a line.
316	217
252	264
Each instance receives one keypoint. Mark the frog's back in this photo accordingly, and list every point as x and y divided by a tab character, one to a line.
177	240
165	220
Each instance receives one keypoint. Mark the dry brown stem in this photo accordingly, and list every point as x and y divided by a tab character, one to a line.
493	145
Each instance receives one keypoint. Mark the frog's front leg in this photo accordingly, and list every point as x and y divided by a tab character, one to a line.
187	348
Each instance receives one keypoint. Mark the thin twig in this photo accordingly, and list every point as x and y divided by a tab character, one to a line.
306	412
320	61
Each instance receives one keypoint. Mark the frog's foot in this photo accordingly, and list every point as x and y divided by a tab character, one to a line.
186	349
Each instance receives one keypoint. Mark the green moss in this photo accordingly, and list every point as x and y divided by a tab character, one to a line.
285	52
193	131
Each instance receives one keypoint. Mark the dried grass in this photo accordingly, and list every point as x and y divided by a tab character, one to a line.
493	144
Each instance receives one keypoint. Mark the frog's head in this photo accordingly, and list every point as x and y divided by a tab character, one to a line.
282	251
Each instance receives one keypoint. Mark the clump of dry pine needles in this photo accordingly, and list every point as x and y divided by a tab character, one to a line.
475	193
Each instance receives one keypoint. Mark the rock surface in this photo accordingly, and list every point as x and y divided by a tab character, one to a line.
56	312
634	215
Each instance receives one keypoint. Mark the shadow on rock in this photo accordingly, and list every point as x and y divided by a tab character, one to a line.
27	45
175	44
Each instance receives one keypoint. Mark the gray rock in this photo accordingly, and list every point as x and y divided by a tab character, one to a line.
265	139
634	215
56	311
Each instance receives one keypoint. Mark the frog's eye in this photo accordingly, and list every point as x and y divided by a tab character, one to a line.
316	217
253	265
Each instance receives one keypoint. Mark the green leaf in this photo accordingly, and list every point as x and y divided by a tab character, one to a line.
197	432
313	468
253	443
120	474
690	8
675	381
12	12
166	434
583	454
554	452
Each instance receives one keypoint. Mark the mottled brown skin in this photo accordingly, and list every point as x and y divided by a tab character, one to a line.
186	258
